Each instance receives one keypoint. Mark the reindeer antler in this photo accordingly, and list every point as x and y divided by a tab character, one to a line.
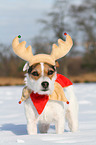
57	51
21	50
63	48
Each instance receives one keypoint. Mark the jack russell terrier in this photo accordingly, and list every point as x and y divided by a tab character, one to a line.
42	85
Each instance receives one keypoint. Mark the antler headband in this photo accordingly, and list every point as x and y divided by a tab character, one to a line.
57	51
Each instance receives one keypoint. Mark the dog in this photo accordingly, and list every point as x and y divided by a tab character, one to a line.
40	79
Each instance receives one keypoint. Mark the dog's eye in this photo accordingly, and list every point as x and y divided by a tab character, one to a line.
50	72
35	73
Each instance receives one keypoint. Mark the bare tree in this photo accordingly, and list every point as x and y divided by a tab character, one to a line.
85	20
41	44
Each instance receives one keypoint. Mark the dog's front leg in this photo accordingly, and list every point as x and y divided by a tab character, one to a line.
31	116
32	127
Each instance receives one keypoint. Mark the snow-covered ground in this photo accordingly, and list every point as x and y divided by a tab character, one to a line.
13	122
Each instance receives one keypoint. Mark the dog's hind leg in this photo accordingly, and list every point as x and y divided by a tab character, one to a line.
43	127
72	120
72	111
59	125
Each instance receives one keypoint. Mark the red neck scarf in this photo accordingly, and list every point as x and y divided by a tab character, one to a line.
40	101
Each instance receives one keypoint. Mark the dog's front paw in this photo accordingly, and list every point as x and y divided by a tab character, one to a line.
32	133
31	129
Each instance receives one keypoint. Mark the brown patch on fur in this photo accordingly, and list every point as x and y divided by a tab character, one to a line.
57	64
36	68
47	68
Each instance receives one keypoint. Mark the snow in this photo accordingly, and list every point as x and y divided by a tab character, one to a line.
13	122
20	141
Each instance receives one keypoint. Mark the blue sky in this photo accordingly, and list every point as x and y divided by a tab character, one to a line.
19	17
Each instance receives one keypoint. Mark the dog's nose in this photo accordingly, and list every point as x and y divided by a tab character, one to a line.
45	84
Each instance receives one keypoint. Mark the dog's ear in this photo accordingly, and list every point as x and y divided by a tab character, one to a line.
26	66
57	64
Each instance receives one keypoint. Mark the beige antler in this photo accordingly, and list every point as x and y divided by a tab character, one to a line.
63	48
57	51
21	50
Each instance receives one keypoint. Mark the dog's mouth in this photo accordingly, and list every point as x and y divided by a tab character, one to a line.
45	90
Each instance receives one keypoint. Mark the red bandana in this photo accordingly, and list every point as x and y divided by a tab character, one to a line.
40	101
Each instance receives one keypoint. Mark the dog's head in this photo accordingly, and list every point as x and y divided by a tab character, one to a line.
40	78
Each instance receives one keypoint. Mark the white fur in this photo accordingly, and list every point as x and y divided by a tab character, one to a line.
71	109
36	86
54	111
42	68
26	66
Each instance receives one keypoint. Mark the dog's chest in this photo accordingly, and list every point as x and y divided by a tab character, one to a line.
52	111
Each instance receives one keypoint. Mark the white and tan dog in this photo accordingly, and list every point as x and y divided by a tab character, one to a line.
40	79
